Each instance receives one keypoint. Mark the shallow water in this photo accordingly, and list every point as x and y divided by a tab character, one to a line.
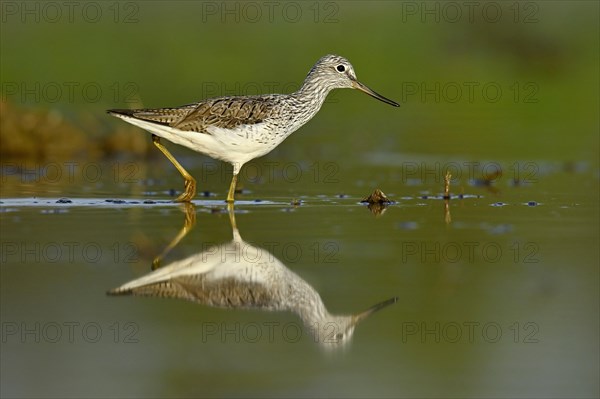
497	288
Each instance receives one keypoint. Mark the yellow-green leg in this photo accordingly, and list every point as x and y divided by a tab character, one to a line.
231	212
188	224
231	193
189	182
234	229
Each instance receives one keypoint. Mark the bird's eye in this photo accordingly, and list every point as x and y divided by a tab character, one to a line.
341	68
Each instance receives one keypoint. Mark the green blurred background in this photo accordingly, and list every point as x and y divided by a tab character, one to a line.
445	63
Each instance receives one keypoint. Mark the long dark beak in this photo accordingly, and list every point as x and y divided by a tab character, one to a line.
363	315
357	85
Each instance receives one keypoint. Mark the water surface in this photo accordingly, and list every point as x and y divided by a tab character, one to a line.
497	288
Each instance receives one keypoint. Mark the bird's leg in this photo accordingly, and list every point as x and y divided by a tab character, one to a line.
234	229
189	183
232	189
231	212
188	224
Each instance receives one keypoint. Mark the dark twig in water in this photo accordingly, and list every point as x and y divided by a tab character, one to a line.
447	216
447	185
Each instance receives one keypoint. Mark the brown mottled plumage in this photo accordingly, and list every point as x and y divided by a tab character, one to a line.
239	129
223	112
224	293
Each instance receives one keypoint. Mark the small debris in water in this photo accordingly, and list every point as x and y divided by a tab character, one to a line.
377	208
64	201
258	200
118	201
149	202
500	229
515	182
488	179
148	182
342	196
296	202
532	203
408	225
378	197
377	202
207	194
172	192
414	182
499	204
53	211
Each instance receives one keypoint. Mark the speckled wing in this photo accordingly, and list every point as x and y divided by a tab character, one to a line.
227	113
227	293
160	116
223	112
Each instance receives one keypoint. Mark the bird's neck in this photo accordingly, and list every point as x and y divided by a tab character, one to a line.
312	93
313	89
305	301
305	102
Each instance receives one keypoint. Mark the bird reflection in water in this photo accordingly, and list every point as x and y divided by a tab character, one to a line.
238	275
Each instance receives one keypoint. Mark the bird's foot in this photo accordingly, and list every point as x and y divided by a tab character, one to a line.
189	191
